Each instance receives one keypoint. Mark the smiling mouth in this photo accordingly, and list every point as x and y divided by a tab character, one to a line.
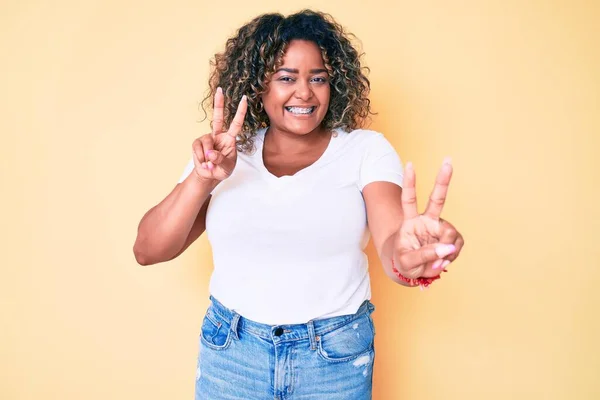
301	110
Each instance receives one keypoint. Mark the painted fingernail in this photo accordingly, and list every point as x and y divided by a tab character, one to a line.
208	153
437	263
444	249
219	89
448	160
409	165
445	263
204	165
210	165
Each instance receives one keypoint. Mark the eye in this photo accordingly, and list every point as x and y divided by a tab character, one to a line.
320	79
286	79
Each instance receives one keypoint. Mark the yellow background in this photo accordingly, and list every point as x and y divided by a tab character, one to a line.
99	107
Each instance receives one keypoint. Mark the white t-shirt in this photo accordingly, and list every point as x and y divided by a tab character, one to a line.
288	250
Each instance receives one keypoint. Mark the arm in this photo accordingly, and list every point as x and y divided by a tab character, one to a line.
384	216
421	245
171	226
177	221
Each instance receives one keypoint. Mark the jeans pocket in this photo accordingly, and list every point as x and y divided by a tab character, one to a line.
348	341
215	332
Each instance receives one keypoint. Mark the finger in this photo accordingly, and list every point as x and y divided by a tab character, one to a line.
448	236
440	190
218	106
215	156
409	193
238	121
198	151
429	253
459	243
208	144
197	155
219	159
448	233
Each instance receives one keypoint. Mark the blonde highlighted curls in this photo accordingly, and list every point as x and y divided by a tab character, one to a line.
256	51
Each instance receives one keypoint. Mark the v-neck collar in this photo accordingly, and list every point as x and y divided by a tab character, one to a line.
260	135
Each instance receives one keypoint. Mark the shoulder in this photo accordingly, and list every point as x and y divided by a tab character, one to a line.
362	135
358	134
364	139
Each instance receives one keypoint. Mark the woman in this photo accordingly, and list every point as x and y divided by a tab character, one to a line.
284	186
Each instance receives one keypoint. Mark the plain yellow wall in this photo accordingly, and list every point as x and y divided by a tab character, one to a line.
99	107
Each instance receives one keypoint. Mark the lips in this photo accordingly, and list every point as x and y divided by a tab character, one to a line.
301	110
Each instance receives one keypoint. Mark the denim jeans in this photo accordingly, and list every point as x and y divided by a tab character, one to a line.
324	359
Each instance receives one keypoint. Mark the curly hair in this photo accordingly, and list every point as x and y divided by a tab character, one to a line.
255	52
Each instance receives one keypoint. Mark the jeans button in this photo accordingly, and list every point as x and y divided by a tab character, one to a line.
278	331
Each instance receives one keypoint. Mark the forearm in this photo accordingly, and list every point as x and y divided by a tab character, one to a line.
162	232
385	255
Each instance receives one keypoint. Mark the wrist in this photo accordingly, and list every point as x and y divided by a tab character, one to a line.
202	184
412	282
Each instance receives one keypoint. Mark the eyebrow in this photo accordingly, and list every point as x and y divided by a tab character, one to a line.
295	71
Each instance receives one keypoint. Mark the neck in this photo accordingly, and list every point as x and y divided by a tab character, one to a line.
280	141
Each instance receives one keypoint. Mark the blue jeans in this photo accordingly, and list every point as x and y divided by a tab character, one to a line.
325	359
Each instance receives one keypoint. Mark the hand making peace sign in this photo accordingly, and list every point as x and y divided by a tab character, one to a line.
426	244
215	153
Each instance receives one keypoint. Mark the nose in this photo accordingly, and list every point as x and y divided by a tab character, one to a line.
303	91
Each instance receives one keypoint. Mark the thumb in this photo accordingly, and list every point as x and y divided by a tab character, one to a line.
215	156
429	253
219	159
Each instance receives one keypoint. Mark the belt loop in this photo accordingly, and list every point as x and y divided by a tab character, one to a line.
311	335
234	325
371	307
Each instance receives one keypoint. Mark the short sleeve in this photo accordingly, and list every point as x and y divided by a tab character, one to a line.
380	163
187	170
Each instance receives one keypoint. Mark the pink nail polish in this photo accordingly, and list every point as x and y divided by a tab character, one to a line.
445	249
437	264
445	263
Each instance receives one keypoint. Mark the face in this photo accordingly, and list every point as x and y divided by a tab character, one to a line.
297	97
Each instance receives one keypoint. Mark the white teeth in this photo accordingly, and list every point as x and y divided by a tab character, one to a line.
300	110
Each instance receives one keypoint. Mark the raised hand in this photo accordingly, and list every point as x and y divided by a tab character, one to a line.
426	244
215	153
